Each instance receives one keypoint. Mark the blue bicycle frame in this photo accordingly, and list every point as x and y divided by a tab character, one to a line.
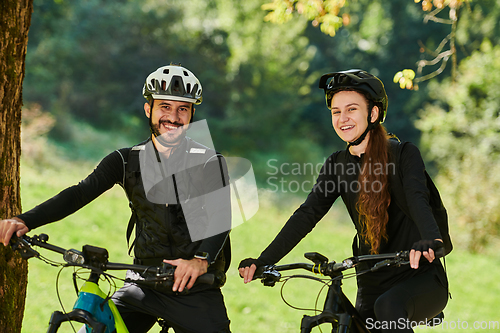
94	309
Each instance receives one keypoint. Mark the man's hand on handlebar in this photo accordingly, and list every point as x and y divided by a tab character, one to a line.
187	272
9	227
427	248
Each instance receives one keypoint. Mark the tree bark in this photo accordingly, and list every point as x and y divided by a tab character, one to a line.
15	19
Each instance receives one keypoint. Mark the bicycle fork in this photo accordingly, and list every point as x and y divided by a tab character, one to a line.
333	312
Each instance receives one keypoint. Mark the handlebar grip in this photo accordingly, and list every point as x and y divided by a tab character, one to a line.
165	285
259	272
14	240
207	278
439	253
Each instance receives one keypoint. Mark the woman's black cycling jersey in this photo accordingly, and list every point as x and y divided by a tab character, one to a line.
339	178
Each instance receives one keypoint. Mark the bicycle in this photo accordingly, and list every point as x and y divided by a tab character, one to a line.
93	307
337	309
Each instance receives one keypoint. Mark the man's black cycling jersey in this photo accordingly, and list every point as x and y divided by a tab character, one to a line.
111	171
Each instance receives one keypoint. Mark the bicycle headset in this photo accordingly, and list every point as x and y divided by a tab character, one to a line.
360	81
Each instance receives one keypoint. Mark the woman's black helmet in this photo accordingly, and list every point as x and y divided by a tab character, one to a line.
355	79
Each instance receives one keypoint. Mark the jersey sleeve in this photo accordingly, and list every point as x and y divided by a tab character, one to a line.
304	219
108	172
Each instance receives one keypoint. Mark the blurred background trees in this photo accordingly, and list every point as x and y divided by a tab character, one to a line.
461	131
87	62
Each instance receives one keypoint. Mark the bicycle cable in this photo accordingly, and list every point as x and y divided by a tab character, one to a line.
50	262
317	300
288	278
109	278
316	309
325	284
59	297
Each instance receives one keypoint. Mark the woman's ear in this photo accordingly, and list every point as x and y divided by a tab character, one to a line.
375	113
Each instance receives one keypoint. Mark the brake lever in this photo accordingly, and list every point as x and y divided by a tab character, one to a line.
383	263
24	247
398	262
270	276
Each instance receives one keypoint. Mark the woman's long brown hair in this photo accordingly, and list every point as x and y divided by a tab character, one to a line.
374	196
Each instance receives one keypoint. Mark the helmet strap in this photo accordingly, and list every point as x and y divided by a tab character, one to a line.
150	121
368	128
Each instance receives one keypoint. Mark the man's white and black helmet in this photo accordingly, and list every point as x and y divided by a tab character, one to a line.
173	82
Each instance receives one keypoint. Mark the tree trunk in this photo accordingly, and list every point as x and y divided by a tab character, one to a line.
15	19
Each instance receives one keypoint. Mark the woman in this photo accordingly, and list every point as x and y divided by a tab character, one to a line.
387	299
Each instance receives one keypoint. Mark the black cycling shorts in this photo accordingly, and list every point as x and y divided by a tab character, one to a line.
198	312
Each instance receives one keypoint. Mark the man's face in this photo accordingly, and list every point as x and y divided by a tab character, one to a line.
168	119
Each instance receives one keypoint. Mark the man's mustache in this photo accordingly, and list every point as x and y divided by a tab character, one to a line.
165	121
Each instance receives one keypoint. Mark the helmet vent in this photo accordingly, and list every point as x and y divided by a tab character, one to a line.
188	86
186	73
163	85
176	89
166	71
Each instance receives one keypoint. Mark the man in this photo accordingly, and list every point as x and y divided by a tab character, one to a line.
179	195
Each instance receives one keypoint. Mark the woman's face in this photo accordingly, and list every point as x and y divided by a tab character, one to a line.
350	114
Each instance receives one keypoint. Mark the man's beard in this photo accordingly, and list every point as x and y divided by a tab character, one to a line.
169	139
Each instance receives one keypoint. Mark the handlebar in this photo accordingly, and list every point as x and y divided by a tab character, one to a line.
270	274
96	259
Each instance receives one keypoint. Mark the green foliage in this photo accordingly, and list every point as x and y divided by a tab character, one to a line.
87	61
323	13
461	133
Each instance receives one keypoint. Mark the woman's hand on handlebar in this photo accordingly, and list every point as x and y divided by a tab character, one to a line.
247	273
9	227
427	248
248	267
187	272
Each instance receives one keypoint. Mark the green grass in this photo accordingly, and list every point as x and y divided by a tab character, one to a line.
252	307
